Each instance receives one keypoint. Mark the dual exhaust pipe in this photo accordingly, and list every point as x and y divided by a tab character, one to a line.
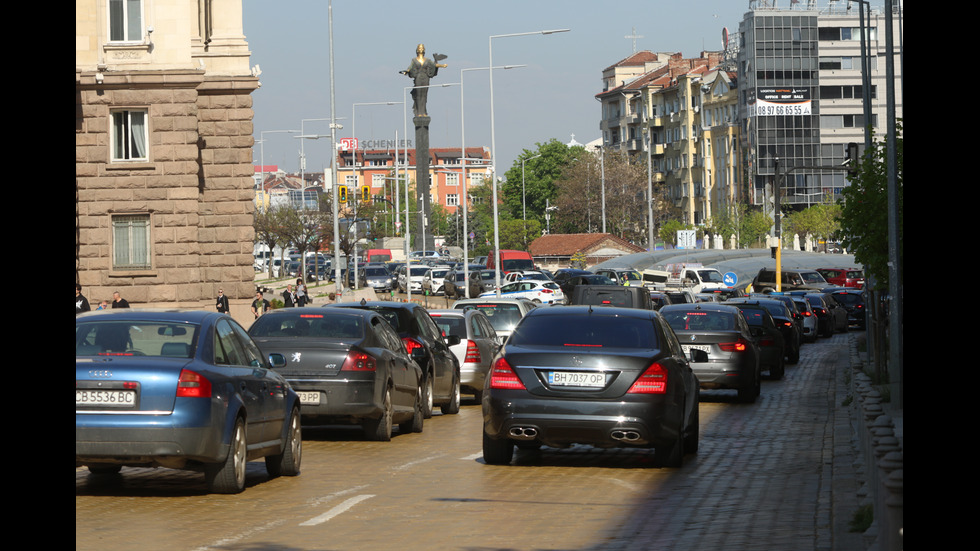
625	435
523	433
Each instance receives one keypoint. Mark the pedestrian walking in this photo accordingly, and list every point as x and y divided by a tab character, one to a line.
289	297
81	303
118	301
259	305
301	293
221	303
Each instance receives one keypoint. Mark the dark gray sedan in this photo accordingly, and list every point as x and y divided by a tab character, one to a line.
722	332
347	366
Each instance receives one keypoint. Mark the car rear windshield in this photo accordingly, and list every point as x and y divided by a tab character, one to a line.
699	320
755	316
858	274
586	331
503	317
308	325
514	264
451	325
136	338
850	299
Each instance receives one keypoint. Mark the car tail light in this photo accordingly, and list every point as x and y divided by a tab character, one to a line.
737	346
472	353
193	385
359	361
411	344
653	381
502	376
806	313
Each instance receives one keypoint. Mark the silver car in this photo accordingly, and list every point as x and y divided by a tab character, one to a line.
504	313
477	346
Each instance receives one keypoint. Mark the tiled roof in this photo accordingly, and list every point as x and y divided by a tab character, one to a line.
567	244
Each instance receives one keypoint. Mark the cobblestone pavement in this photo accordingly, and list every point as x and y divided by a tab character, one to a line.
774	475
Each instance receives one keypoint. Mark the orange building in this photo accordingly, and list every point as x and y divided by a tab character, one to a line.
374	167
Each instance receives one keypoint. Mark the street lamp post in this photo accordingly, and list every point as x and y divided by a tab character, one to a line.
493	149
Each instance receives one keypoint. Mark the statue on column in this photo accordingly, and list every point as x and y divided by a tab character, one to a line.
421	69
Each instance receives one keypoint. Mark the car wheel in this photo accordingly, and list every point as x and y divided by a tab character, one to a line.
747	392
427	403
671	456
415	423
536	301
452	407
497	452
287	463
777	372
379	429
478	396
103	470
229	477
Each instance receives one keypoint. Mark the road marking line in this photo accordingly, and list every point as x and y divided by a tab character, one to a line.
247	533
473	457
320	500
413	463
347	504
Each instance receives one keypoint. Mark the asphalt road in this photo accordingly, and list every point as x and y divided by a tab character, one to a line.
763	479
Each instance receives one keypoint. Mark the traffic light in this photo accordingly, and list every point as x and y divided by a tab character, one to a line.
366	194
342	194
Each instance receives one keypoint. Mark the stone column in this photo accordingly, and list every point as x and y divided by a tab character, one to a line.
422	184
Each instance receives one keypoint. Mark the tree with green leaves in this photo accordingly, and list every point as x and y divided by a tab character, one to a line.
820	221
269	229
543	169
864	210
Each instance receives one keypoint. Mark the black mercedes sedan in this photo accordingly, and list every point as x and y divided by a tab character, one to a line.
605	377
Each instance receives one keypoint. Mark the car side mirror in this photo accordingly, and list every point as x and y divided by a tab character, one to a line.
277	360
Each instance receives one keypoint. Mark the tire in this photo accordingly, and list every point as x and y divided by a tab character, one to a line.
497	452
379	429
228	477
427	404
671	456
452	408
288	462
104	470
748	392
478	396
415	423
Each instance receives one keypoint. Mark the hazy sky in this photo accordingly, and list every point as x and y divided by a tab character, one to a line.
553	97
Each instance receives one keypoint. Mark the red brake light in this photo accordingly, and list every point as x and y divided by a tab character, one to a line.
502	376
193	385
653	381
411	344
737	346
472	353
359	361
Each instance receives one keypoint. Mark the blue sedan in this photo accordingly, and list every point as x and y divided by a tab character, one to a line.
182	390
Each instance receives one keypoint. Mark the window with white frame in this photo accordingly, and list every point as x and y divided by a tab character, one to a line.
377	180
130	135
452	200
125	20
350	180
131	242
476	178
452	179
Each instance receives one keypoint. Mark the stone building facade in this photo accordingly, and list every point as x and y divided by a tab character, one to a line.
163	159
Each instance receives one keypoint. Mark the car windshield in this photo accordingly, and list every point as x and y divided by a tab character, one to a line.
849	299
376	272
710	276
419	271
699	320
586	331
755	316
136	338
513	264
308	325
